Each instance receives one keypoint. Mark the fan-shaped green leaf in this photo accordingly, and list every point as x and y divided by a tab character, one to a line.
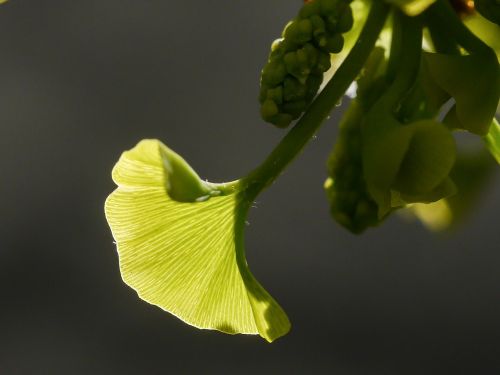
487	31
412	7
471	173
180	244
492	140
474	82
407	163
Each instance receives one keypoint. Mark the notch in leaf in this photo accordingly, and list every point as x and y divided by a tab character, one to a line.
492	140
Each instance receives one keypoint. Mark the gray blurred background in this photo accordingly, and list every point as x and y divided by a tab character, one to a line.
80	82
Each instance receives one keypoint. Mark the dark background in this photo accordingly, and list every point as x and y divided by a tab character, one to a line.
80	82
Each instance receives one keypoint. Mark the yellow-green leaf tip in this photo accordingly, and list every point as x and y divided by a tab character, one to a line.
476	92
180	244
412	7
492	140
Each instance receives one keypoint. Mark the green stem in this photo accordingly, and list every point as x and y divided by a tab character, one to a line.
442	16
292	144
409	60
394	63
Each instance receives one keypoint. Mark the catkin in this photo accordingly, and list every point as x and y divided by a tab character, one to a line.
350	203
294	72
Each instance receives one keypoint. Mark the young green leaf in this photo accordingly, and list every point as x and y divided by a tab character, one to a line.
471	173
487	31
492	140
406	163
180	244
412	7
474	82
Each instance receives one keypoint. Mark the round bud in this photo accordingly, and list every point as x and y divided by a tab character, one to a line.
334	43
268	109
346	20
274	73
293	89
328	7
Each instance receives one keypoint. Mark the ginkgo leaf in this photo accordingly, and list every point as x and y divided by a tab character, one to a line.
435	216
474	82
406	163
471	173
492	140
187	256
428	160
445	189
412	7
487	31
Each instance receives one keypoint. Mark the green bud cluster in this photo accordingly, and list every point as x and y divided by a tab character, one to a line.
350	203
294	72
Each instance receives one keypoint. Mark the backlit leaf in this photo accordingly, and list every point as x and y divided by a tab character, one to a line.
492	140
187	256
412	7
474	82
